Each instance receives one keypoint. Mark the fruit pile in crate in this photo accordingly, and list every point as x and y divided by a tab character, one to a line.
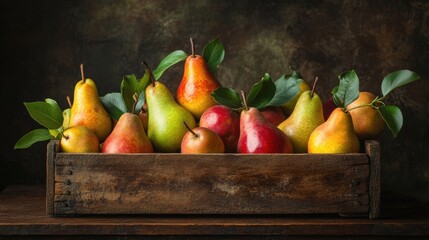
211	149
282	116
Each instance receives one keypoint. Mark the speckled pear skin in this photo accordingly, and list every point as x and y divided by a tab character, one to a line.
336	135
87	109
198	82
166	117
306	116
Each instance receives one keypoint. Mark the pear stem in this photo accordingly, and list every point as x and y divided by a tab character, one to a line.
192	47
243	96
135	96
314	86
69	101
82	72
190	130
152	78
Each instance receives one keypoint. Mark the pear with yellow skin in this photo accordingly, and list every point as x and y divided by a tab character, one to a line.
303	86
306	116
87	109
336	135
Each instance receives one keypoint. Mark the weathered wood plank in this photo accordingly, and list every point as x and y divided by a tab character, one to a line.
373	151
51	150
211	183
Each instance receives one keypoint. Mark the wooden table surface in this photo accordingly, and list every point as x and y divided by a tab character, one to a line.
22	214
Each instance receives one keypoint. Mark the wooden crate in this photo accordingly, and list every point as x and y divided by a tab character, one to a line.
345	184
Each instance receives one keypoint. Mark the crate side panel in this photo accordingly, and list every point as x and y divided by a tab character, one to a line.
211	184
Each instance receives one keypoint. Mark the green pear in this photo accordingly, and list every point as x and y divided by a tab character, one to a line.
87	109
128	136
305	117
166	117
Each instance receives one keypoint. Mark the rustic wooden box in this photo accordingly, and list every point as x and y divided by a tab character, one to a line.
345	184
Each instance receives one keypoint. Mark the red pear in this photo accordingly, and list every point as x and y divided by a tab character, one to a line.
258	135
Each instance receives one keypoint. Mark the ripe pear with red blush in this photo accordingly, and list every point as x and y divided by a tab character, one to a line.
224	121
197	84
258	135
87	109
201	140
128	136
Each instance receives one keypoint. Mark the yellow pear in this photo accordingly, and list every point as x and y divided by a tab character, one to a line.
87	109
79	139
336	135
306	116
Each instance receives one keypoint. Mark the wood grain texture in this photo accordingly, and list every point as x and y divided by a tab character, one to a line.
22	213
211	184
373	151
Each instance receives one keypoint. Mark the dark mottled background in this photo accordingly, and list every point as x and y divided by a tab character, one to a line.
43	43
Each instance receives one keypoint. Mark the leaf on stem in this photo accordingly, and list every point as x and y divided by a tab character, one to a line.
114	104
348	89
287	86
171	59
228	97
213	54
397	79
36	135
47	114
393	118
261	93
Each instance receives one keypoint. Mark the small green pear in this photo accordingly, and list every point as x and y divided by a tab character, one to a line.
306	116
166	117
87	109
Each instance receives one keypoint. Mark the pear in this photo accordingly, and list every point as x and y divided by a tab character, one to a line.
197	84
336	135
306	116
128	136
79	139
166	117
367	121
87	109
201	140
258	135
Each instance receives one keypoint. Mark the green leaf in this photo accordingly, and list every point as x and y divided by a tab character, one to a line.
261	93
140	102
397	79
36	135
348	89
228	97
393	118
129	86
214	54
171	59
287	86
47	114
143	82
114	104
